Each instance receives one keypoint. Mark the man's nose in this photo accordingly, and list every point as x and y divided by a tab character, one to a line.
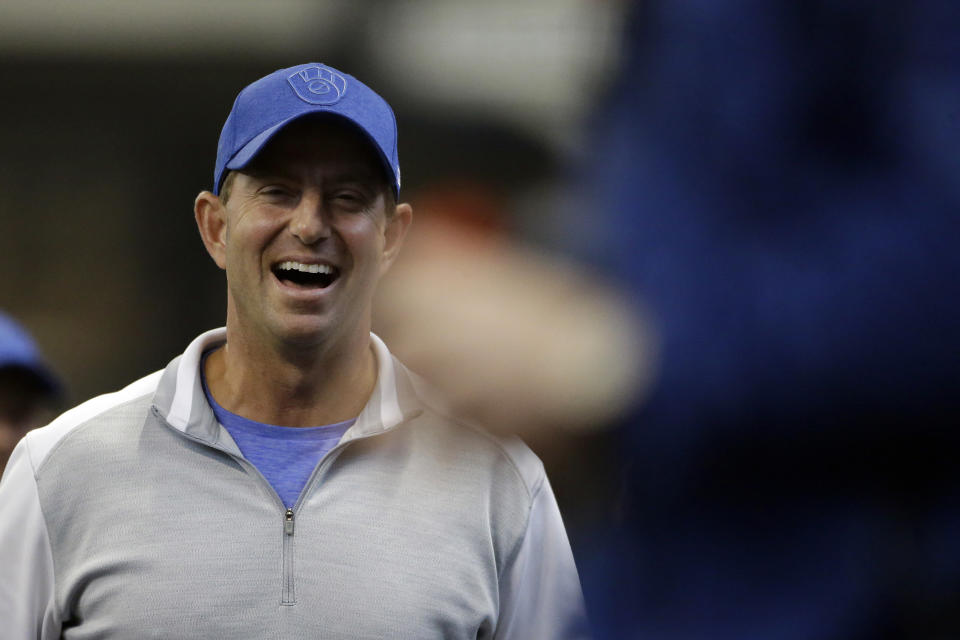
310	223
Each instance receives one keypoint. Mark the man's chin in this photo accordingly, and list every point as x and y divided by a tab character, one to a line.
305	333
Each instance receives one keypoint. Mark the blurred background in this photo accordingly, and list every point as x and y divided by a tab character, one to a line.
701	255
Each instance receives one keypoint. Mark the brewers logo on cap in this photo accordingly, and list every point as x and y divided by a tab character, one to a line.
318	85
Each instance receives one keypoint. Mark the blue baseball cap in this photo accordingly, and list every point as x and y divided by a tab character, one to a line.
266	106
17	349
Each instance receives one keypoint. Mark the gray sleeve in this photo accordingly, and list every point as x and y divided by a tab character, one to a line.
27	607
540	594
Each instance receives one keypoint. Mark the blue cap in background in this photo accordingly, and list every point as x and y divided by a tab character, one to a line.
17	349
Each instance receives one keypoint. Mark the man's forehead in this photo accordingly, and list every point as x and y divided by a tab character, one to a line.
332	142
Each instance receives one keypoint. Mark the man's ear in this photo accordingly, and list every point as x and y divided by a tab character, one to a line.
211	216
394	233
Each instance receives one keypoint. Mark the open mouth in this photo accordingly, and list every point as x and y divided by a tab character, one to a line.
308	276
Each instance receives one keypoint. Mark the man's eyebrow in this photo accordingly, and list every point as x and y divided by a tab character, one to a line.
353	174
267	174
358	173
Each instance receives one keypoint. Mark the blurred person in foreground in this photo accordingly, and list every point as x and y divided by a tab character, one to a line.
777	181
561	352
181	506
28	388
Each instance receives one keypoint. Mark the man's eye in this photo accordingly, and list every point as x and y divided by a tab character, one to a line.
349	197
276	192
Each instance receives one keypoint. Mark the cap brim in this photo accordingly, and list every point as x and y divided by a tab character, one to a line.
46	382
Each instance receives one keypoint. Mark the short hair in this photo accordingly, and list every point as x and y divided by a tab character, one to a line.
227	185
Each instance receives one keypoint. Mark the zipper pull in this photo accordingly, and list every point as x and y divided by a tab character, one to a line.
288	522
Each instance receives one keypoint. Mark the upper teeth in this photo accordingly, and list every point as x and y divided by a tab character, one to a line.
306	268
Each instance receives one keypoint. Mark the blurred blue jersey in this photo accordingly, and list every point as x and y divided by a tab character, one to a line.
778	183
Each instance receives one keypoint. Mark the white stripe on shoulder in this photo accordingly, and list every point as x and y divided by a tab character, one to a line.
43	440
390	413
182	404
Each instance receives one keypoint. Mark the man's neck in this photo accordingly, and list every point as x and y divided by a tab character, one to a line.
262	384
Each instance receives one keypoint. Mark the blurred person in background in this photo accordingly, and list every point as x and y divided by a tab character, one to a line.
29	390
203	501
778	183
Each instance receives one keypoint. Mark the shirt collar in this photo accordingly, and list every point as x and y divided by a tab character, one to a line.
180	400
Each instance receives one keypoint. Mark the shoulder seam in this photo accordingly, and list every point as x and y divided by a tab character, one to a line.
422	389
533	488
74	419
46	530
79	427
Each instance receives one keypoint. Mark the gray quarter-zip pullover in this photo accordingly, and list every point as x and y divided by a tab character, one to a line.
134	515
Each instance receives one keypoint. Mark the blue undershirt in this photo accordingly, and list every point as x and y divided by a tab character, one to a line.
286	456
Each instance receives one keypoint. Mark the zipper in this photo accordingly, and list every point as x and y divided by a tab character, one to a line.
289	596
